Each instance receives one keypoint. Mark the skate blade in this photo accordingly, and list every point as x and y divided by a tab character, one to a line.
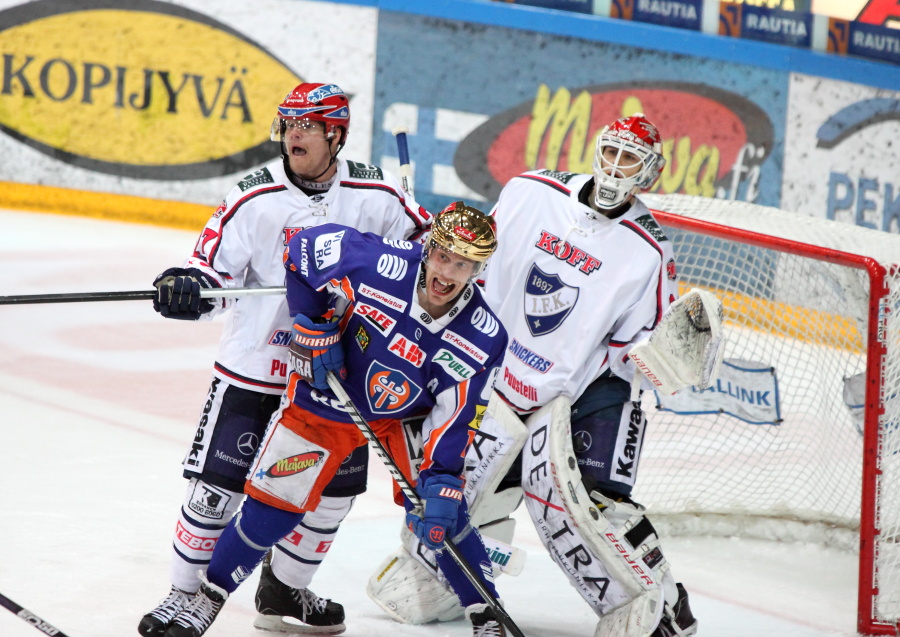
275	624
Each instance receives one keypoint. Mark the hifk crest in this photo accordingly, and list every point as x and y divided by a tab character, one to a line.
388	390
548	301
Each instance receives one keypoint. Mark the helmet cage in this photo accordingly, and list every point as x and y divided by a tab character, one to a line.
611	187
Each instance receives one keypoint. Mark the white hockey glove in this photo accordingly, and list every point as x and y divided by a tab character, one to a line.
686	347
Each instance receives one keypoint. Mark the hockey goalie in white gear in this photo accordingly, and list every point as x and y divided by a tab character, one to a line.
408	584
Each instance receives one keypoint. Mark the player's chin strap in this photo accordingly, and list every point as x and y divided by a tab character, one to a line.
687	346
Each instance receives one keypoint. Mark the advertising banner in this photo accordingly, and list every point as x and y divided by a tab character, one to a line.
166	100
792	28
840	159
684	14
480	117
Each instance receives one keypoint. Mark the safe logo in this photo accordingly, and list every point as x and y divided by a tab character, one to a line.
384	323
389	390
142	103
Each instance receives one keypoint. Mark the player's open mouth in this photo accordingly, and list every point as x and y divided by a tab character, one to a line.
441	287
297	151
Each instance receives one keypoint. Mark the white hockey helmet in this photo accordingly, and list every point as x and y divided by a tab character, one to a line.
629	146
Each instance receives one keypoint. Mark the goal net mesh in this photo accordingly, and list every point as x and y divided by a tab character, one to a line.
783	459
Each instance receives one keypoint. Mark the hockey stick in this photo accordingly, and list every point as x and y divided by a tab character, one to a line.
410	493
79	297
30	618
405	167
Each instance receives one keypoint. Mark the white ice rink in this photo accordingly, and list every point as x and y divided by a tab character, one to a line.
98	402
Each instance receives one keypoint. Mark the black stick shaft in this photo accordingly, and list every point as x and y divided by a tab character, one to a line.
410	492
30	618
137	295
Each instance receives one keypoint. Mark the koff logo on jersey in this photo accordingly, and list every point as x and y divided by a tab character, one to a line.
565	251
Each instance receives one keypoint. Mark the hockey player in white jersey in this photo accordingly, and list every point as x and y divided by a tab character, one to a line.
582	278
243	245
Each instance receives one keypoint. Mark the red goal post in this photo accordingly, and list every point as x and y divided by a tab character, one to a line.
800	437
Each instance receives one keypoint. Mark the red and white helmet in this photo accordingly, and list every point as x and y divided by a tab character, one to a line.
637	137
324	103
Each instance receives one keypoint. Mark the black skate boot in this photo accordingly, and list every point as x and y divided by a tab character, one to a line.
685	624
275	600
484	621
199	615
155	623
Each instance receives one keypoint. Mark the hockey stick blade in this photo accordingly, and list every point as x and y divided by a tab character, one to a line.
137	295
30	618
410	492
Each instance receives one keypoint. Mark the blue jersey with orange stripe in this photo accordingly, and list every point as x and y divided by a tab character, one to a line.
400	360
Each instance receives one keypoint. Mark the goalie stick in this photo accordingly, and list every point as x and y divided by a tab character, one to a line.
403	153
137	295
30	618
410	493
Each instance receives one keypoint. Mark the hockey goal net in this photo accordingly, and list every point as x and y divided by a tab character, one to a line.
799	439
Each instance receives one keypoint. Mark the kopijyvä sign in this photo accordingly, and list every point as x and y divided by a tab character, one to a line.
137	88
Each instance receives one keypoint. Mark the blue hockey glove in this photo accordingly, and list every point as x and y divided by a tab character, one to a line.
441	495
178	293
315	350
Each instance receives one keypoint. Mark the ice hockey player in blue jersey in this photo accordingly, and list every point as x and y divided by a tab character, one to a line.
410	334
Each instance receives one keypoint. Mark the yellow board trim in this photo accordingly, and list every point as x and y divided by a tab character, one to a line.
101	205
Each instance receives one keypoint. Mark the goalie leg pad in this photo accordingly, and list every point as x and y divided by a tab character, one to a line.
612	558
409	585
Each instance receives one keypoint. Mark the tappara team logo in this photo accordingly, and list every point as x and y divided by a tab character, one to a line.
389	391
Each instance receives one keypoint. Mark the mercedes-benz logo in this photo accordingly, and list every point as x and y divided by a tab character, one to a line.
581	441
248	443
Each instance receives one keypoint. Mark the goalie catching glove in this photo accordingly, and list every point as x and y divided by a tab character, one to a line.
441	496
178	293
686	347
315	350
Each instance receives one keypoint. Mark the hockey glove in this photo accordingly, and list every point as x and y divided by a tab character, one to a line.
315	350
178	293
441	496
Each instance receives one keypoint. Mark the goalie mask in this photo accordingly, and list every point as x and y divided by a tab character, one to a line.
464	231
313	105
628	159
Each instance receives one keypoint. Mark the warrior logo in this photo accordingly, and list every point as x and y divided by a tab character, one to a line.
389	390
548	301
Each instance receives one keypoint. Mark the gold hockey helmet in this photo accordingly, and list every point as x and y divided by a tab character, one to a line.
465	231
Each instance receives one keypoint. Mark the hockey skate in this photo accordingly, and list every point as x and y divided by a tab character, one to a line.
276	600
684	623
484	621
155	623
200	613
